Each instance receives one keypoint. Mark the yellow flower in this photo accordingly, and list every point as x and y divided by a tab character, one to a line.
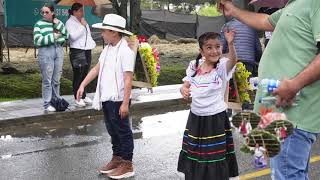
146	53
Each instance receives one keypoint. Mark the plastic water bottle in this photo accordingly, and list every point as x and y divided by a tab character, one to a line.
254	82
267	87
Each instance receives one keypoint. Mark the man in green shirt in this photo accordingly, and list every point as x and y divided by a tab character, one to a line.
292	57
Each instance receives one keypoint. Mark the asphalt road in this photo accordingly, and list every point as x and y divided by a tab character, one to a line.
75	150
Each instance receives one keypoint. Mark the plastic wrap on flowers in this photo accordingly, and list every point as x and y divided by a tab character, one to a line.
151	58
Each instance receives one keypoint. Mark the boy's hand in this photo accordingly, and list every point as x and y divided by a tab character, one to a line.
124	111
80	92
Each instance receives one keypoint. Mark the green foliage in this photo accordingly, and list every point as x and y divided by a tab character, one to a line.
171	74
7	99
21	86
24	86
149	4
242	75
211	10
184	6
177	2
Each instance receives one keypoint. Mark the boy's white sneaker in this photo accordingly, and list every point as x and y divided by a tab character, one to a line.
80	103
87	100
50	109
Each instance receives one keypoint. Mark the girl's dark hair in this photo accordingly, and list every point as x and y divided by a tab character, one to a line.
50	6
74	7
202	40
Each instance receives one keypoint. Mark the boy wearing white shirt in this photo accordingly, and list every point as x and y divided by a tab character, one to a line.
115	72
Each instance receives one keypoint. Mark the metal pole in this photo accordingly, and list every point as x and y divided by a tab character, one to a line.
1	46
165	19
197	24
197	21
7	40
131	15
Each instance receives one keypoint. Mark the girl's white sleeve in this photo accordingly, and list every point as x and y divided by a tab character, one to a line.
222	69
190	71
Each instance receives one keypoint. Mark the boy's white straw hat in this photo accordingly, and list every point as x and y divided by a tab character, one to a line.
113	22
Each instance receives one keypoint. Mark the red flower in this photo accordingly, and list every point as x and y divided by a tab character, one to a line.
142	38
155	54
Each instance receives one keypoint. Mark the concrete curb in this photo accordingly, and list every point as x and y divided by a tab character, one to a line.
163	99
146	108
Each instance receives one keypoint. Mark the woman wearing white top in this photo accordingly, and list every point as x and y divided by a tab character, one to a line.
81	44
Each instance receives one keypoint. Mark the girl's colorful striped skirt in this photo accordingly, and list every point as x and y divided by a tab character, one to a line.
207	148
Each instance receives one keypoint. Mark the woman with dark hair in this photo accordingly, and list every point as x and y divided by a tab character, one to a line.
81	44
49	34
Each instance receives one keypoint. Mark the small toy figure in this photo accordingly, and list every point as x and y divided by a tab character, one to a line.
277	131
283	132
245	127
259	160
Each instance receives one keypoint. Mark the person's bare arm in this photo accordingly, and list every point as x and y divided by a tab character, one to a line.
232	55
288	88
124	108
255	20
92	75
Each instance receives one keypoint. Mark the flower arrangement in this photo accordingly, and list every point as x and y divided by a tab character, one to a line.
241	77
151	58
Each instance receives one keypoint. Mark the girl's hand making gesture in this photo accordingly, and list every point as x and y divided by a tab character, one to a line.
229	35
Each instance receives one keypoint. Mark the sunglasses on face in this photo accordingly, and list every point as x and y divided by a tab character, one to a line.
45	12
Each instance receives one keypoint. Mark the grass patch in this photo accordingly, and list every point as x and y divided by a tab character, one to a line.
172	74
24	86
8	99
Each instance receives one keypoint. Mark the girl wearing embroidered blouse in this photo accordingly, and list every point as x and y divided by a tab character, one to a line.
207	149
